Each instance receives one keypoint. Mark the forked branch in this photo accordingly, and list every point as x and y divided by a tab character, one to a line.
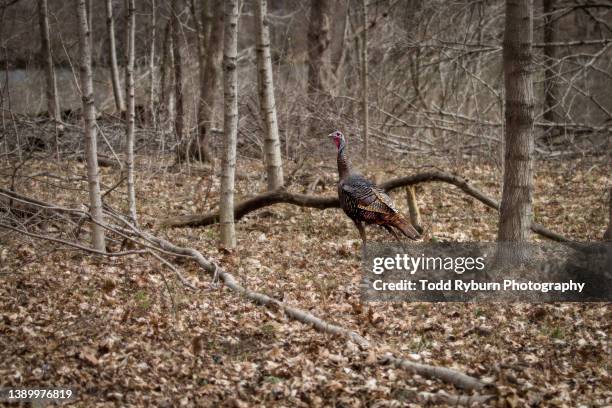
281	196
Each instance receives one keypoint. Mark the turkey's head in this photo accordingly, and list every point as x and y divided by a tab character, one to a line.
338	138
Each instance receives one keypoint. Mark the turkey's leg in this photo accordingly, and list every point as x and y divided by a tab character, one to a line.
362	232
392	231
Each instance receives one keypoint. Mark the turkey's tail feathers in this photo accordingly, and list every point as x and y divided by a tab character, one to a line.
405	227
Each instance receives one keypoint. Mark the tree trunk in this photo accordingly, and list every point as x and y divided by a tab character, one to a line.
413	209
319	63
152	108
129	91
364	82
608	234
206	107
110	25
516	205
202	22
166	61
230	124
89	116
179	118
550	87
272	150
319	52
52	98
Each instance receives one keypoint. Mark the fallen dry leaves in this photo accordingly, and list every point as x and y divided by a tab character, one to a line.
123	332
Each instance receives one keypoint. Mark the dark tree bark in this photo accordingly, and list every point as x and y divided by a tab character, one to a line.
516	204
608	234
320	76
208	90
319	51
152	94
550	87
165	72
179	119
53	109
365	82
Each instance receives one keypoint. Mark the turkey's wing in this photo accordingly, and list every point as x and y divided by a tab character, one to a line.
369	197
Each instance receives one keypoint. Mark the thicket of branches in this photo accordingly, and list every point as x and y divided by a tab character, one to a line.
435	83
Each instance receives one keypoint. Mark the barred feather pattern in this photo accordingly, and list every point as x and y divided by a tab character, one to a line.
363	201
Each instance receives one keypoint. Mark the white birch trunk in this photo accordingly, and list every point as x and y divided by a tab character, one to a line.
129	91
89	116
51	84
272	151
516	205
110	26
230	125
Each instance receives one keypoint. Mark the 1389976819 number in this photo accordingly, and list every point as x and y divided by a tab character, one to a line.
19	394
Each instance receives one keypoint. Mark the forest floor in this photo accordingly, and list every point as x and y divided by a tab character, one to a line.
123	332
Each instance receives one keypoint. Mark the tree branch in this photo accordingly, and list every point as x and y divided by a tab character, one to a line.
281	196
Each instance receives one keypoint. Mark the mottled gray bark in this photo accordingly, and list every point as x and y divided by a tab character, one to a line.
230	124
516	205
112	49
272	150
129	90
89	127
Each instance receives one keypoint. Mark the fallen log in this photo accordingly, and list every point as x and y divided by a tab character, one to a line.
448	375
284	197
136	236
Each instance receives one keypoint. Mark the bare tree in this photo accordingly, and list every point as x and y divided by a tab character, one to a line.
272	150
53	109
179	118
364	81
516	205
550	87
230	124
129	91
112	49
319	51
210	80
320	74
89	115
608	234
167	61
152	94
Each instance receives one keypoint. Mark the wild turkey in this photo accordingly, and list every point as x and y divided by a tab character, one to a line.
363	201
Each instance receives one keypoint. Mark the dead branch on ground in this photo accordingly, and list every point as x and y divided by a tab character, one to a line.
281	196
150	243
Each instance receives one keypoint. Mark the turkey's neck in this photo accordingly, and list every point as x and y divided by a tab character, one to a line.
344	163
